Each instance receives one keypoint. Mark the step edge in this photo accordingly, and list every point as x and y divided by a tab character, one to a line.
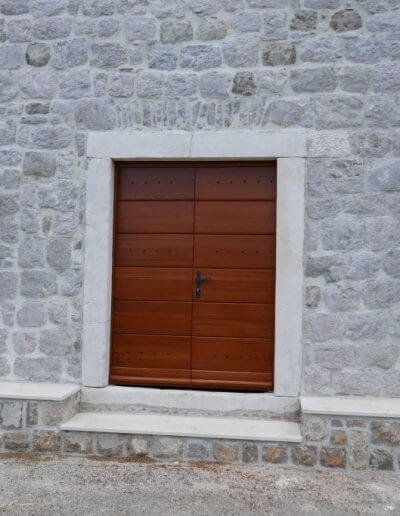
75	424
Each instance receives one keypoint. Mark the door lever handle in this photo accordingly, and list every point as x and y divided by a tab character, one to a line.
199	281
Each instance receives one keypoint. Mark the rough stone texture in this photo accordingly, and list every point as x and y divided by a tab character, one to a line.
67	68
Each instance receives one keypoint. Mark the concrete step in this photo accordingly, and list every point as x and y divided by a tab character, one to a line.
184	426
140	400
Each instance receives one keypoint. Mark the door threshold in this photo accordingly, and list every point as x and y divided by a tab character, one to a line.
150	399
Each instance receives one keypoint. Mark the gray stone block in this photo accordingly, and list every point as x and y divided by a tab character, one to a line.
110	445
16	441
358	450
8	91
107	27
43	369
38	84
311	80
385	176
46	441
247	22
95	115
8	285
55	342
11	414
162	57
138	446
162	9
304	20
321	48
241	51
77	442
24	343
140	28
31	253
11	57
108	55
39	164
15	7
98	7
121	85
38	284
52	28
19	31
279	54
210	29
70	53
75	85
40	8
179	85
338	111
286	113
167	448
381	459
200	57
197	449
149	85
31	315
204	7
176	31
304	455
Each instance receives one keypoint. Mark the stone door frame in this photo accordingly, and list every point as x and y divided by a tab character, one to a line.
288	147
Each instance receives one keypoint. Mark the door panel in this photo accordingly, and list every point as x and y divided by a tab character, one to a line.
154	183
232	320
149	283
153	250
154	217
160	351
232	354
171	221
229	182
152	317
238	285
235	251
235	217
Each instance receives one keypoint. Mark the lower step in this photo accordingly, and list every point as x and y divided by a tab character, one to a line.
185	426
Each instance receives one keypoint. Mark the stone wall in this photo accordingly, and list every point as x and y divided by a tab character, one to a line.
72	66
33	426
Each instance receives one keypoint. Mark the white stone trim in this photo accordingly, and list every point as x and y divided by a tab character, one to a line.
289	276
288	146
351	406
184	426
42	391
176	145
98	272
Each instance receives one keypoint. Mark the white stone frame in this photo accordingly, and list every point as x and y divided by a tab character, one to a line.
288	147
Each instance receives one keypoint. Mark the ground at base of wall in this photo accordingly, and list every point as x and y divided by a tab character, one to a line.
74	485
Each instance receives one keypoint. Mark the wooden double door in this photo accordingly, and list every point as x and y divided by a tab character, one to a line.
194	275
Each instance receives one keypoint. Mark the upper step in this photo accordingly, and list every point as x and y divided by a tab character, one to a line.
189	402
184	426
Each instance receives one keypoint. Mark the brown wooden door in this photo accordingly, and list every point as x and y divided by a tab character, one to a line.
173	221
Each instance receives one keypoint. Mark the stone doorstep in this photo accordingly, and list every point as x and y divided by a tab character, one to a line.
115	398
184	426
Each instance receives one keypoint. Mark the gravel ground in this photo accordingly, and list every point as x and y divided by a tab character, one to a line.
31	485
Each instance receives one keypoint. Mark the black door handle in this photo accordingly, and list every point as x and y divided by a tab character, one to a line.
199	281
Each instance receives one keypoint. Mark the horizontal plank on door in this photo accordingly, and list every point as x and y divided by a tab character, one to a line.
154	183
237	285
153	250
233	354
152	283
236	182
151	351
154	217
155	377
232	380
235	251
152	317
233	320
235	217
